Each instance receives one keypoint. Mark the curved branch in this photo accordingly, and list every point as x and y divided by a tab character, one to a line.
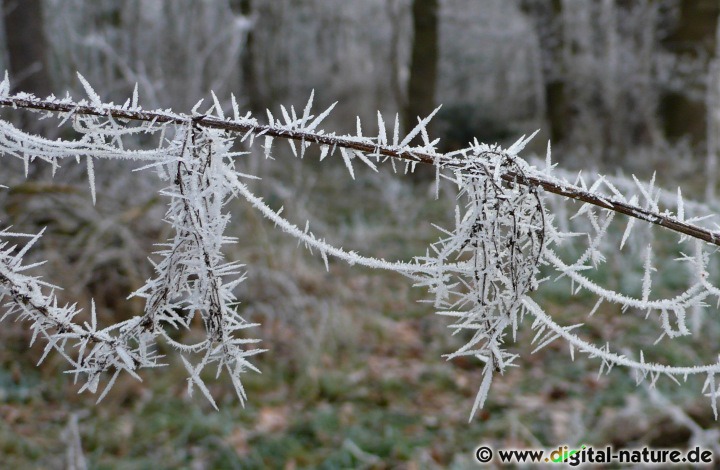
613	358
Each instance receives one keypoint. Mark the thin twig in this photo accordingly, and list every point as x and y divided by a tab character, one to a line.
250	125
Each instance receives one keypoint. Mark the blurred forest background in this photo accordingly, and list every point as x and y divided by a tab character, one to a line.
354	376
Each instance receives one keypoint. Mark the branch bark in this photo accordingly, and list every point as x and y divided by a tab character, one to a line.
551	185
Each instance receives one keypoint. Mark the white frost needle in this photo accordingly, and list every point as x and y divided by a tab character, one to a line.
481	273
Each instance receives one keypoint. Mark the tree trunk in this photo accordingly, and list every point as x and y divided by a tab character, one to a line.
423	72
251	87
423	63
694	35
27	46
547	18
27	61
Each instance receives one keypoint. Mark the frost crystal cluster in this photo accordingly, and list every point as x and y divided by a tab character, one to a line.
482	269
507	235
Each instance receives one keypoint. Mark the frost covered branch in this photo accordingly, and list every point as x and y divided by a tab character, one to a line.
480	273
99	350
358	145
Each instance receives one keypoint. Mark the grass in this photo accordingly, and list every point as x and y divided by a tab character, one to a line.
354	376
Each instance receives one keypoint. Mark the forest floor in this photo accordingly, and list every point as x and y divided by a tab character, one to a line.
354	376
